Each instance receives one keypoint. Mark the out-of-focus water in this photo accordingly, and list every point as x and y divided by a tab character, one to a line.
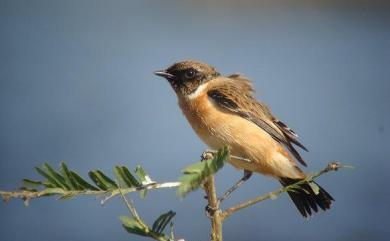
76	84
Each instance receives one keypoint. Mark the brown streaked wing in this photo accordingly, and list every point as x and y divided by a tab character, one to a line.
246	106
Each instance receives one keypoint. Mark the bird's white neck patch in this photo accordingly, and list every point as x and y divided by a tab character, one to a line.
198	91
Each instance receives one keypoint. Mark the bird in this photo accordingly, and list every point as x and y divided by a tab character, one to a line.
224	111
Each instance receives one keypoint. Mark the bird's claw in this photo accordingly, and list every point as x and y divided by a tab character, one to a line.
210	211
207	155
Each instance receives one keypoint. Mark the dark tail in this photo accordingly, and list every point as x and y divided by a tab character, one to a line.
305	197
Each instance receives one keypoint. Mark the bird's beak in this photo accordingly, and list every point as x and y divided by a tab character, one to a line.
163	73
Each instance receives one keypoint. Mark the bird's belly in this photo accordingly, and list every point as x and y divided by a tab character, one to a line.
244	138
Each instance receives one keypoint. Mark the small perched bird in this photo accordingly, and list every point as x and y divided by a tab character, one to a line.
223	110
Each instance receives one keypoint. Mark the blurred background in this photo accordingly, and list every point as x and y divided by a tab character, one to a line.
77	84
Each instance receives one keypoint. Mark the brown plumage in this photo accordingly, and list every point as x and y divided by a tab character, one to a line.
224	111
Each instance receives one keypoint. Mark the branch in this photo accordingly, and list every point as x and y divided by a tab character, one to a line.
27	195
137	226
333	166
196	174
213	209
66	183
145	187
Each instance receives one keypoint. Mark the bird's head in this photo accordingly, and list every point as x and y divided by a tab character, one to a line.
186	76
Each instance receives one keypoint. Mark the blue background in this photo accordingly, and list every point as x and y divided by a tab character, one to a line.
76	84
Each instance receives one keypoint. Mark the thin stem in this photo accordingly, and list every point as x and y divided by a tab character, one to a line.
246	177
334	166
145	187
215	213
134	213
27	195
132	209
231	156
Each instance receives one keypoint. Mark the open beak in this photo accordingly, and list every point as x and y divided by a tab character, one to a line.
164	74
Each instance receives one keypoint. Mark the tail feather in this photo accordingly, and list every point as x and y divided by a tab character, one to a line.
305	198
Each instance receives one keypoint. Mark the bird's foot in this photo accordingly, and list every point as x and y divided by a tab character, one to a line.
210	211
247	175
207	155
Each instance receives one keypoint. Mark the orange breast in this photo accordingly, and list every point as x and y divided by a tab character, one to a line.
217	128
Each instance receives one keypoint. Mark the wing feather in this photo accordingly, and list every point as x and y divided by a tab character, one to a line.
246	106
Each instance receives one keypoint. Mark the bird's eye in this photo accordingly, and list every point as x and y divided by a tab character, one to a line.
189	74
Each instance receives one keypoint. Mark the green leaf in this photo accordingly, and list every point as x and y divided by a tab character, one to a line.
102	181
69	180
142	193
172	236
314	187
120	177
134	182
27	183
161	222
111	183
125	177
55	175
95	178
28	189
132	226
83	183
49	185
195	168
50	180
219	160
195	174
158	221
53	191
144	178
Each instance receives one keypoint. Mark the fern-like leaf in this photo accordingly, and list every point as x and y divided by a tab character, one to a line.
196	174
